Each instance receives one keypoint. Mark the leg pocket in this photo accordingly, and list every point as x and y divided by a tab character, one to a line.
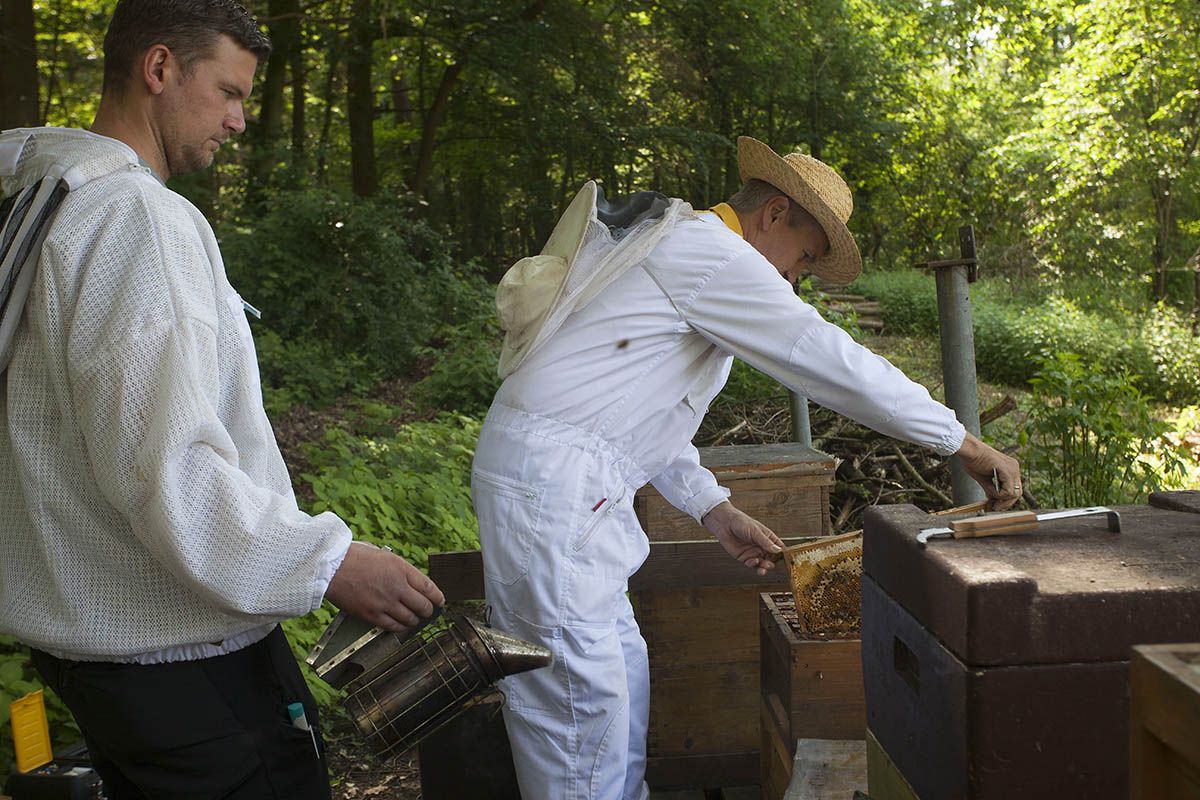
509	513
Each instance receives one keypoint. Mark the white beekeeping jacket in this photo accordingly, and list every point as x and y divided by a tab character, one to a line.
148	514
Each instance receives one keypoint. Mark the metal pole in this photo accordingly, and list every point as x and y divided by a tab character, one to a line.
801	431
958	354
801	428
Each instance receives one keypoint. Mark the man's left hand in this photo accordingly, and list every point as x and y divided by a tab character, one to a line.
743	537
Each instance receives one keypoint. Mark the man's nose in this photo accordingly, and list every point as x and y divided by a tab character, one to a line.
235	122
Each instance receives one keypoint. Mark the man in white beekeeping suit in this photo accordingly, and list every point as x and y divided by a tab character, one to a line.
151	540
618	336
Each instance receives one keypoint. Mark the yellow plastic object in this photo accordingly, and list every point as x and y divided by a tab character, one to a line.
31	733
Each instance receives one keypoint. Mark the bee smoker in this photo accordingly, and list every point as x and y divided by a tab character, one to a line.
402	687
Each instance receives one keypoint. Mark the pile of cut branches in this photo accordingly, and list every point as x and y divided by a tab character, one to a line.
873	469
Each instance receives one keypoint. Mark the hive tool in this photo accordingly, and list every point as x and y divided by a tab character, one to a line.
1012	522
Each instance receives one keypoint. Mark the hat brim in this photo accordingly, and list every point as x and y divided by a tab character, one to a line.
843	263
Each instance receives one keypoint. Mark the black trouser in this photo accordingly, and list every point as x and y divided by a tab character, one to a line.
214	728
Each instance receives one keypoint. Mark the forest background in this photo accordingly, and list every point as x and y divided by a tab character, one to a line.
400	154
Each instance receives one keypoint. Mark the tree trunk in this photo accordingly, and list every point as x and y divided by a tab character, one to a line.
441	101
18	65
1160	190
401	104
433	120
284	27
360	101
299	99
1194	264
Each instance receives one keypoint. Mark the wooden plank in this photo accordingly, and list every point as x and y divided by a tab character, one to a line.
1164	720
827	691
775	771
706	708
706	771
761	481
670	565
788	511
825	769
819	682
755	457
699	625
884	779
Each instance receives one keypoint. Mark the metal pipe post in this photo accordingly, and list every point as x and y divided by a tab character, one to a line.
958	354
801	429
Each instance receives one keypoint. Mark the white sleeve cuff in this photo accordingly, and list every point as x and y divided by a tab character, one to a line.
705	501
952	442
329	566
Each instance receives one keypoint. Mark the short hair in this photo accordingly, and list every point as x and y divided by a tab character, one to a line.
755	193
189	28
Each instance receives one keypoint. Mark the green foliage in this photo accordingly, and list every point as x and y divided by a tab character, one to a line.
17	679
1091	435
907	299
748	385
336	275
462	376
307	371
1015	330
408	489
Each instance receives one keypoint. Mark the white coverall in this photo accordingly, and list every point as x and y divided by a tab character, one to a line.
608	403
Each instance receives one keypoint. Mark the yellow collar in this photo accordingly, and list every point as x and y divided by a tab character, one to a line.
728	216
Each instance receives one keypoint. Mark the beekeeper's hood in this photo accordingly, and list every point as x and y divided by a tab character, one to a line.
592	245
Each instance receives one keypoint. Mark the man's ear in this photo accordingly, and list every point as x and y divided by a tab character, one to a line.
157	65
777	208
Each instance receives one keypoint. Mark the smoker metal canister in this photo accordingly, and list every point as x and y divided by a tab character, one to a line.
402	687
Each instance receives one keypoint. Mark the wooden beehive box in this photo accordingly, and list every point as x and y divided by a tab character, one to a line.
812	688
703	639
1164	682
999	667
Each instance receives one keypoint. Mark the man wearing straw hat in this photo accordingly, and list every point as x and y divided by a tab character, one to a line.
618	336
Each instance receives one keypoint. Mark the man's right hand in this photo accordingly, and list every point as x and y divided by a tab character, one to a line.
383	588
979	460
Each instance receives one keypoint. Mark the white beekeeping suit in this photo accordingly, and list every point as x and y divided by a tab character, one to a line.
148	514
602	400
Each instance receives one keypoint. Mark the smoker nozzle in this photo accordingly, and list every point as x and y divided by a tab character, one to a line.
511	655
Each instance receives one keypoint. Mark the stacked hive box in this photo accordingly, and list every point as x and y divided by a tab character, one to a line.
703	639
1165	722
999	667
812	688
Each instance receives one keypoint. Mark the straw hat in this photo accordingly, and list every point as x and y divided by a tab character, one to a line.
819	190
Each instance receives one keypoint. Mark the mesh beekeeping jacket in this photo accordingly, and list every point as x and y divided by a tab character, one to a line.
593	244
144	501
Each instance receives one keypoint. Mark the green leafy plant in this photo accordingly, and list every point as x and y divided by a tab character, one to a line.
310	372
462	377
408	490
1092	438
335	275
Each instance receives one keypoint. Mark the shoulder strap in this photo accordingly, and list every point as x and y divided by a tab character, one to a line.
25	220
